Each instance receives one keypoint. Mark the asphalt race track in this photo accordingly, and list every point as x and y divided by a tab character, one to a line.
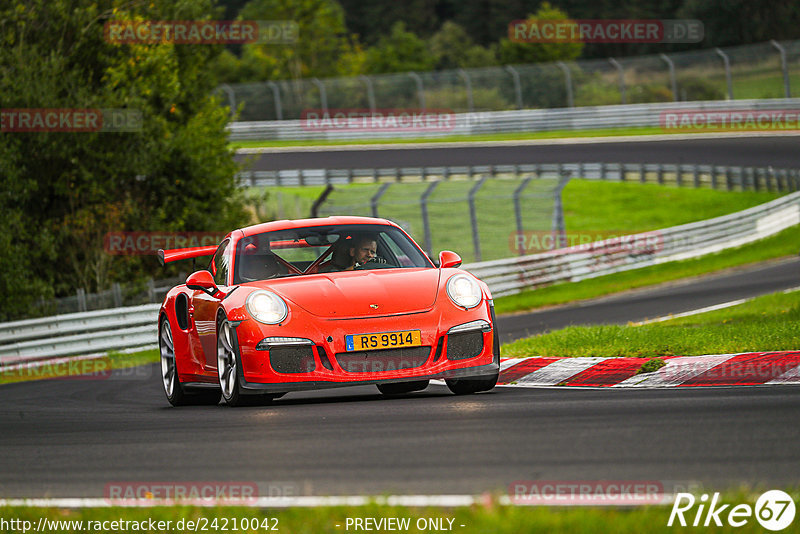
757	151
677	297
73	437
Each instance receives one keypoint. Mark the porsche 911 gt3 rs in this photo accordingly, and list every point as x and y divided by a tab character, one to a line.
316	303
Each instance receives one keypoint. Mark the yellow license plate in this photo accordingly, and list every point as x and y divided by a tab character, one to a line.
383	340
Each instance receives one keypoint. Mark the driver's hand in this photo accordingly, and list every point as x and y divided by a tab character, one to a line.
378	259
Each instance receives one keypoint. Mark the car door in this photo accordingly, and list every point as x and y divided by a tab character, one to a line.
206	306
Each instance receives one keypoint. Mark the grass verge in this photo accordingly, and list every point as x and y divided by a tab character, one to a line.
100	368
593	210
478	519
782	244
765	323
512	136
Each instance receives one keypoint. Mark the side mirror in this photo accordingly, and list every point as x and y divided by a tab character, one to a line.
202	281
449	259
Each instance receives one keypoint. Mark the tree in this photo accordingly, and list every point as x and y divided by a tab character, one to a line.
324	47
453	48
519	52
62	191
400	51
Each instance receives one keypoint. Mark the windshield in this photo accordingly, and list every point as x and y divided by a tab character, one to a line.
324	249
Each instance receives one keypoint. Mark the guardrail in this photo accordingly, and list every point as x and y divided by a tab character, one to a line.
126	328
731	178
509	276
524	120
78	333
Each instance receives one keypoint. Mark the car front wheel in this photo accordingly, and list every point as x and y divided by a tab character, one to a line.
400	388
177	394
228	369
468	386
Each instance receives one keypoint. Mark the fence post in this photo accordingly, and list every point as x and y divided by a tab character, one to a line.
420	89
231	97
727	64
695	176
754	174
377	197
323	96
787	90
728	179
559	229
370	92
518	211
517	85
621	72
321	199
714	177
473	218
151	290
770	177
426	225
116	295
679	176
567	83
672	81
81	293
468	83
276	94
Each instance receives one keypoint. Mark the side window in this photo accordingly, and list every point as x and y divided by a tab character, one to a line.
221	263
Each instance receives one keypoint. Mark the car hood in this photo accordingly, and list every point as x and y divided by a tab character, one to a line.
361	293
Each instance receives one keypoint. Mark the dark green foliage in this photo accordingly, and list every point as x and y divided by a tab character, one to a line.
61	192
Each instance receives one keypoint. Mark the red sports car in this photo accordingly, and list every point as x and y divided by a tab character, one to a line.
316	303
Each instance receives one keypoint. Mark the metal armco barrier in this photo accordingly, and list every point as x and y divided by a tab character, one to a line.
524	120
580	262
78	333
126	328
702	176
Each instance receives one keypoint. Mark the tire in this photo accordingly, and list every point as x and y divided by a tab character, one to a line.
176	393
228	369
468	386
400	388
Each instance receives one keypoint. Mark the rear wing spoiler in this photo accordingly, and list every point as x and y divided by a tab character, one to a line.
168	256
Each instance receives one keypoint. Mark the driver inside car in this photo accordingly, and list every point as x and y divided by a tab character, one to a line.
362	250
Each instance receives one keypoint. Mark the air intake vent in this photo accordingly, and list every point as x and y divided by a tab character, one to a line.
323	357
292	359
463	346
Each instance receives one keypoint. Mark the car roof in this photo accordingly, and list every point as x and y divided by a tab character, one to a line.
305	223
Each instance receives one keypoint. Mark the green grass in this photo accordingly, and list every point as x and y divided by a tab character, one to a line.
100	367
513	136
476	519
591	208
763	324
783	244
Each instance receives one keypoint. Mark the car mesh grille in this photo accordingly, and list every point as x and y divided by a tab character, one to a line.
292	359
463	346
378	361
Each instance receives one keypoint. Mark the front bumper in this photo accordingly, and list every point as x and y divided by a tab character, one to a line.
324	362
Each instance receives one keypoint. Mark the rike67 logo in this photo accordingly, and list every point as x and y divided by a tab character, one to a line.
774	510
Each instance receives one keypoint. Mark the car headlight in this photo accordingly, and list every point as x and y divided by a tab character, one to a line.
464	291
266	307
